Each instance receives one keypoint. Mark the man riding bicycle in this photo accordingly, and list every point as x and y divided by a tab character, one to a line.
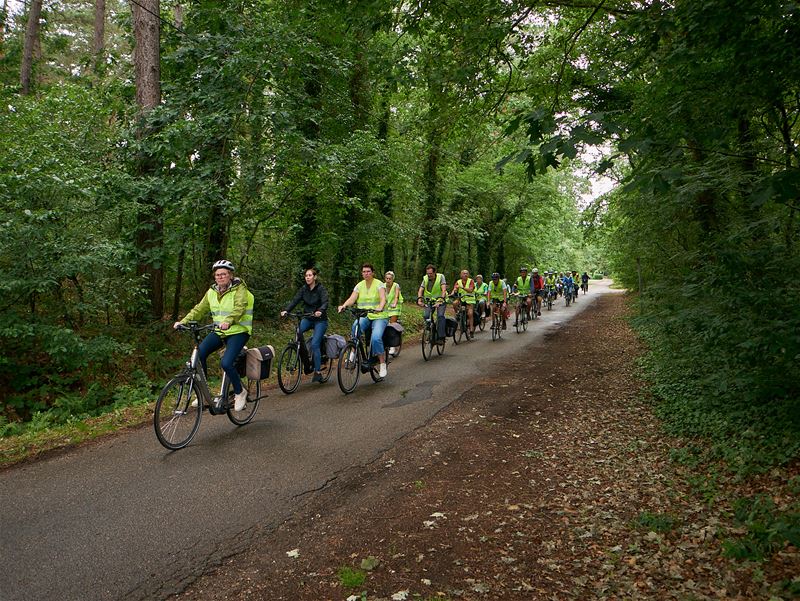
465	286
497	291
538	290
434	286
523	286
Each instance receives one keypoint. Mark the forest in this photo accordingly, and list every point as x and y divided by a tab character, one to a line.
141	141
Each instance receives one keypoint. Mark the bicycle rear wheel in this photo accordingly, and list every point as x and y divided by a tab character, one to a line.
175	419
240	418
349	369
289	369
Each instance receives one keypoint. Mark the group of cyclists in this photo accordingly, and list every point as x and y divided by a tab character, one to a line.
230	305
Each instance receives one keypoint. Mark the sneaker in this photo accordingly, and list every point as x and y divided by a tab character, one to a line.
392	350
352	357
382	370
240	400
317	377
194	403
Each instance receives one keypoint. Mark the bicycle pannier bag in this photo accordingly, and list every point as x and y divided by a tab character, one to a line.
392	335
334	343
259	362
450	327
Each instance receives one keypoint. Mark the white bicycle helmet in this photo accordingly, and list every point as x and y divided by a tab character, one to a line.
222	264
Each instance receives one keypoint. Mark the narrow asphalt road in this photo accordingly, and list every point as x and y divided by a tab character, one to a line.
126	519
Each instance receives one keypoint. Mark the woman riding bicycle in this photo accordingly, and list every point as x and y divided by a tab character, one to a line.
370	294
394	297
315	300
230	304
481	290
497	292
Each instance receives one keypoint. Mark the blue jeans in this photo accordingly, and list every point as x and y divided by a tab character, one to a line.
319	327
373	328
233	346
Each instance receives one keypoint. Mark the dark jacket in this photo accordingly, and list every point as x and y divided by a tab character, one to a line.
313	300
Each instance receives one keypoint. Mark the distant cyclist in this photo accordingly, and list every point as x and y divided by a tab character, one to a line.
523	286
497	291
434	286
481	290
538	290
585	282
465	286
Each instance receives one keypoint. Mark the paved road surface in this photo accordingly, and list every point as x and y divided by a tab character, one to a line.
126	519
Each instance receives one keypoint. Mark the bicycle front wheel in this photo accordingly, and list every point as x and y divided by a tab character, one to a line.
178	411
289	369
459	333
349	369
240	418
427	341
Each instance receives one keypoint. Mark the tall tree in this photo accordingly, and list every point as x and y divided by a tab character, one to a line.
31	43
149	230
99	40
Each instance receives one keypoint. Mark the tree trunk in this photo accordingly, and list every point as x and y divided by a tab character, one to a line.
3	28
99	34
31	39
149	234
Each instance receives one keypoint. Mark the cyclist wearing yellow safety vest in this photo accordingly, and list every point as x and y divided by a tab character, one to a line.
466	288
481	289
370	293
434	286
524	290
230	304
497	291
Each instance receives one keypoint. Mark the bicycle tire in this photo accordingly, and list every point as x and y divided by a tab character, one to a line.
482	322
246	415
427	341
348	370
525	319
175	420
289	369
458	334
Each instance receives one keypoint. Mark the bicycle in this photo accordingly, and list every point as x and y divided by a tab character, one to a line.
520	312
585	287
355	357
462	327
550	295
184	398
497	319
295	353
568	294
430	336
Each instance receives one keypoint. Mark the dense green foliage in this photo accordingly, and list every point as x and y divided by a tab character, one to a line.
328	133
289	134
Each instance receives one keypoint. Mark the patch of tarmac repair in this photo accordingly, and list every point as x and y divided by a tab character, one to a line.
421	392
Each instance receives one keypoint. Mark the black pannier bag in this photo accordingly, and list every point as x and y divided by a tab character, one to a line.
259	362
393	335
451	326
